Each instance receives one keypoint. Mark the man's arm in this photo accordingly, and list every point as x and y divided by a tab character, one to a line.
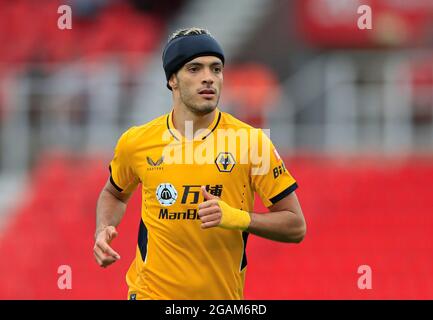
284	223
110	208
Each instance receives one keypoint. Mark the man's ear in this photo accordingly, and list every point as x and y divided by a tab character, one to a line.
173	81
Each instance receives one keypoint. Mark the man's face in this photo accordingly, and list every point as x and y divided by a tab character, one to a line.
199	84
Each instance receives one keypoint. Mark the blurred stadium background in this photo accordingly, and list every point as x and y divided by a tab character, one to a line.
350	109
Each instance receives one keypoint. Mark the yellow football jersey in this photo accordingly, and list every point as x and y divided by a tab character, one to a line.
175	258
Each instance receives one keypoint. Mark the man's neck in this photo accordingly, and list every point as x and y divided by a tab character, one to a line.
182	114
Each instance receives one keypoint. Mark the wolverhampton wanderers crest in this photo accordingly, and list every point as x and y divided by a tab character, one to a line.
225	162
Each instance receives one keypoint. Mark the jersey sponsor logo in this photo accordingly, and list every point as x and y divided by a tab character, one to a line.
215	190
279	170
155	165
191	193
166	194
189	214
225	162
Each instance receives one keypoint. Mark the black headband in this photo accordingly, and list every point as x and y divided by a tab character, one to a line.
186	48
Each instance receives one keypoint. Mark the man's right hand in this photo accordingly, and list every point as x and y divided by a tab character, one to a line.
102	251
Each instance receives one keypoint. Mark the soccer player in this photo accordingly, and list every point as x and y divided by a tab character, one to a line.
197	192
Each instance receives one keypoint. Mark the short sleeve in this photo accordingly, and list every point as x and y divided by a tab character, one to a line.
122	174
272	181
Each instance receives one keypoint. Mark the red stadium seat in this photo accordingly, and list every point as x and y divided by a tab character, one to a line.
351	221
118	29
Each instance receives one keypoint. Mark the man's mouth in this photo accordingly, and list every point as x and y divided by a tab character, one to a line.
207	93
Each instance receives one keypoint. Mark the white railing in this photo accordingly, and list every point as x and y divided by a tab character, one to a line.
354	103
340	103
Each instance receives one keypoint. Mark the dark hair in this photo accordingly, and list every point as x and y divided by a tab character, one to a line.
193	31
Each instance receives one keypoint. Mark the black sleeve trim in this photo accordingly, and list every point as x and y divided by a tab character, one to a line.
114	183
284	193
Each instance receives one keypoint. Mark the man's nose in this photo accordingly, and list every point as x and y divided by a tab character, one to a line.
208	77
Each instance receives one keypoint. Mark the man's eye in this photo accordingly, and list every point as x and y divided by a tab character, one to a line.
217	70
193	69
